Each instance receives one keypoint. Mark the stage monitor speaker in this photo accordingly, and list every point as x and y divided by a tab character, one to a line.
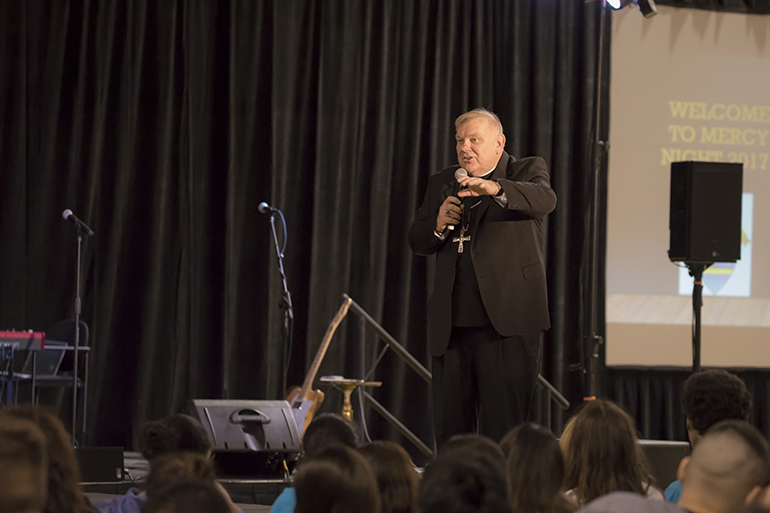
250	438
705	212
100	464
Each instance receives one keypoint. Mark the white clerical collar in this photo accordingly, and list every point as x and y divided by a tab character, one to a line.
485	175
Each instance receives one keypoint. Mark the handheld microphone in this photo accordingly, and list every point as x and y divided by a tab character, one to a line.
264	208
69	216
460	173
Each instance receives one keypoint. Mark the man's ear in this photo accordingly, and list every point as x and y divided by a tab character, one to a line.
681	472
500	142
753	494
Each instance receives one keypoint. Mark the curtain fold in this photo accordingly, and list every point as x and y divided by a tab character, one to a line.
165	124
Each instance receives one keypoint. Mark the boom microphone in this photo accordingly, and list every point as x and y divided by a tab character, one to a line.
264	208
69	216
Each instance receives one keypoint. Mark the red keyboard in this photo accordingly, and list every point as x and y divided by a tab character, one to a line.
24	340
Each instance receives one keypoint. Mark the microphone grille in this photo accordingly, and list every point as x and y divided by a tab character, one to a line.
66	214
460	173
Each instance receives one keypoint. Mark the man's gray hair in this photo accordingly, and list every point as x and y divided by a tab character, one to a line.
481	112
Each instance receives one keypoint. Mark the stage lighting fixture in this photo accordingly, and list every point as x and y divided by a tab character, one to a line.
646	6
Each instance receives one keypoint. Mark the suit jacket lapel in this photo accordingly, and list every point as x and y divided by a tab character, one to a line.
447	188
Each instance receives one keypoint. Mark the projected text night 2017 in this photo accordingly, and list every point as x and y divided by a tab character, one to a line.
698	131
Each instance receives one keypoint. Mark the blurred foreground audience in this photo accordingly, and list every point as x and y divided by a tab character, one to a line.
23	466
597	465
64	492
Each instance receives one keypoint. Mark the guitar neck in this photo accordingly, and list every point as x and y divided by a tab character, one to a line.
319	356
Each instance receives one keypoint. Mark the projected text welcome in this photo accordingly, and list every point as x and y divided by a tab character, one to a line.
697	138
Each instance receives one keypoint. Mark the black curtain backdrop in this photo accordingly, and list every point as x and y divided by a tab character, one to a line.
653	396
163	124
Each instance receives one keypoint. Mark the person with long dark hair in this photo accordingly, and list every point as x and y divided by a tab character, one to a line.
396	476
535	471
601	454
336	480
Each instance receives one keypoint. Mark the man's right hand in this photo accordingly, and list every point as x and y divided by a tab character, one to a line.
451	212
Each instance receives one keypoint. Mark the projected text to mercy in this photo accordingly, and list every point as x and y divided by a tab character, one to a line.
719	135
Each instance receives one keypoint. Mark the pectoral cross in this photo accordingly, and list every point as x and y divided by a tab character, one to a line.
462	238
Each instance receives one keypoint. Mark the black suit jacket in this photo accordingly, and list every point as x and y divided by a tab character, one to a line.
507	251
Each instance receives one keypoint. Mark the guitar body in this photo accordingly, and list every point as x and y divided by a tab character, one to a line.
304	400
304	408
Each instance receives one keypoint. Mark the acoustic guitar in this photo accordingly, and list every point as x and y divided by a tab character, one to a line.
305	401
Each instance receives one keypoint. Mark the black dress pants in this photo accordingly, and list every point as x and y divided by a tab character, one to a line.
483	383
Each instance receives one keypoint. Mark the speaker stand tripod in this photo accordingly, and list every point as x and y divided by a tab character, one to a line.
696	271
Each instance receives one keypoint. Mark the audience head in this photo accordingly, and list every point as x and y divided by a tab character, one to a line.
64	492
475	446
185	482
535	471
729	466
328	429
188	496
336	480
175	433
711	396
23	465
169	469
601	454
455	483
396	477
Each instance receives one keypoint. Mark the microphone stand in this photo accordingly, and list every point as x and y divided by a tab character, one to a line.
592	341
77	341
286	305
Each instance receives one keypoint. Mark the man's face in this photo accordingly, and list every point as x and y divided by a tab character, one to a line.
479	146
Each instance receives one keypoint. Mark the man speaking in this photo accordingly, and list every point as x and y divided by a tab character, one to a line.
489	305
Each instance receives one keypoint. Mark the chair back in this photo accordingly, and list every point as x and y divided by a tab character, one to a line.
64	331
